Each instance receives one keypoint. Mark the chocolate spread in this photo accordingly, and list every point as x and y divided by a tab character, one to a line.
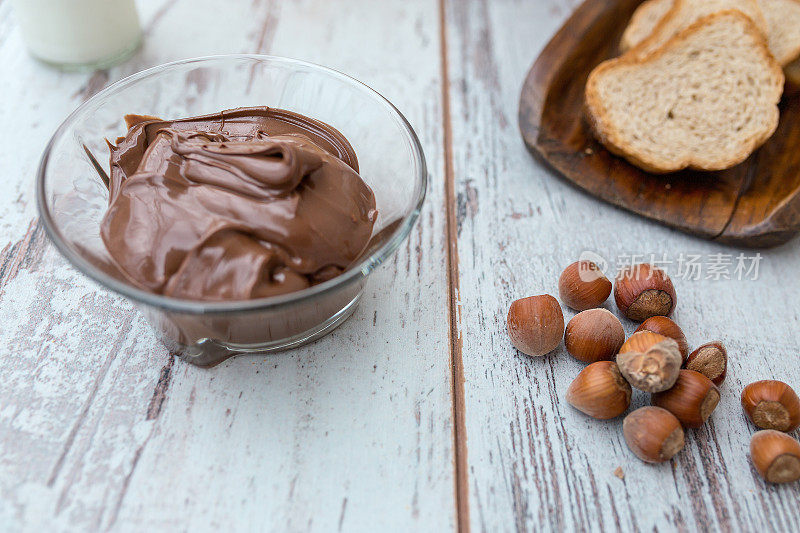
240	204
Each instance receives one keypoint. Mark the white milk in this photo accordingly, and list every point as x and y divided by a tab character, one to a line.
79	32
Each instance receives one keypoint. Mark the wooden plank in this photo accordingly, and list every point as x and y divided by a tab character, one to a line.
534	462
101	429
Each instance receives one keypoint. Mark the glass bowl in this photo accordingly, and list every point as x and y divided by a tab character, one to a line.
72	197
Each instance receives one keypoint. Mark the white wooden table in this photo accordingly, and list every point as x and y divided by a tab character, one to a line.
417	414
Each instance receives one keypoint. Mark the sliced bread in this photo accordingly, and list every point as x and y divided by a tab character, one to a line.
705	100
782	19
783	28
684	13
643	22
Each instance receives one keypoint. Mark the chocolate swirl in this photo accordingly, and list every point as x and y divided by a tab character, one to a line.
241	204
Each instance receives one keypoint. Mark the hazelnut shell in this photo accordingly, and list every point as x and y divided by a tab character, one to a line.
776	456
653	370
653	434
772	404
583	286
600	391
594	335
643	291
641	341
711	360
692	399
535	324
668	328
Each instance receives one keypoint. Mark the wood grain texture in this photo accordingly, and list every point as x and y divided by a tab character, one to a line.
100	429
534	462
756	203
460	463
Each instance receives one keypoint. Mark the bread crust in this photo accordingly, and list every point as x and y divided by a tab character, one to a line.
659	33
642	12
640	17
610	137
790	55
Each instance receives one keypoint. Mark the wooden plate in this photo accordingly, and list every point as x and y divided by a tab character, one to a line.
756	203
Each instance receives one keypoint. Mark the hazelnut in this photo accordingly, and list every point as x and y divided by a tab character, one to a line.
583	286
776	456
535	324
653	434
692	399
711	360
650	362
600	391
772	405
594	335
666	327
641	341
643	291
